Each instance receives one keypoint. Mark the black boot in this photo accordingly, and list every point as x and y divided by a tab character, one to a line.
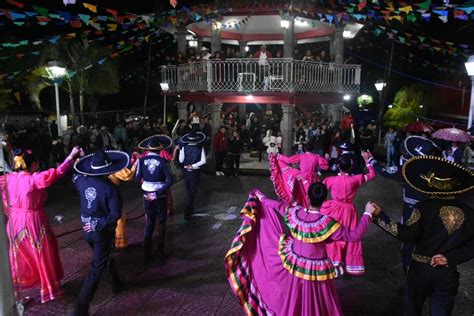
188	214
147	250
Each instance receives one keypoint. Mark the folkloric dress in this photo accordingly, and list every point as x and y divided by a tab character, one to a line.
291	184
34	254
275	273
343	190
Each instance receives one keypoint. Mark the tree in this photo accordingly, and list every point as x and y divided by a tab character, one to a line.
5	98
364	100
409	102
90	73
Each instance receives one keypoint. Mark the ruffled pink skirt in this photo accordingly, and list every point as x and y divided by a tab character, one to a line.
347	254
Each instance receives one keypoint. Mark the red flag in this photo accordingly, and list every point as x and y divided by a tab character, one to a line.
18	4
174	3
113	12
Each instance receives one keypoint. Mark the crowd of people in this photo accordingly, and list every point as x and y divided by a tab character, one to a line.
321	239
315	54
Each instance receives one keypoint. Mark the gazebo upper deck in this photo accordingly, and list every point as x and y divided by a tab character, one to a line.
273	76
247	75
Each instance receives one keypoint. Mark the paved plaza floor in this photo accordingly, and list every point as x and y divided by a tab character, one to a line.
192	281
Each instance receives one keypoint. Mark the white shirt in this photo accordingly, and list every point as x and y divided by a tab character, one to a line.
262	60
196	165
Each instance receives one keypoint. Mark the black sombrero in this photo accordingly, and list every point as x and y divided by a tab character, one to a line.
345	146
156	142
193	138
419	146
434	175
102	162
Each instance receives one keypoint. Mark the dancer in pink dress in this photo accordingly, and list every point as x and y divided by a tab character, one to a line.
291	184
34	255
343	189
272	273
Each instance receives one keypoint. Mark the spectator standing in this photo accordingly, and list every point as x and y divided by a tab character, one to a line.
308	56
312	131
104	140
120	134
454	153
263	56
235	149
220	147
58	152
389	146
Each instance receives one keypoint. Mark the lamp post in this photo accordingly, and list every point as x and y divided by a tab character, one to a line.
55	73
165	87
379	85
470	71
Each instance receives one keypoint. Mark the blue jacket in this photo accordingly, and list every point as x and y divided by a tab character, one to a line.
155	173
101	203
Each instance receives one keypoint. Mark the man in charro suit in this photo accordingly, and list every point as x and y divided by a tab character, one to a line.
156	178
440	227
412	146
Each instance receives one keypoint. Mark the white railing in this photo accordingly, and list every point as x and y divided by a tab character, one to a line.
249	75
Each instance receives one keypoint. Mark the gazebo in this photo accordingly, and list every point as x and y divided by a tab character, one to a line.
284	81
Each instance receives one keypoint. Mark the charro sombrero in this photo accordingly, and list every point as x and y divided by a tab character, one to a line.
156	142
435	175
346	146
193	138
419	146
102	162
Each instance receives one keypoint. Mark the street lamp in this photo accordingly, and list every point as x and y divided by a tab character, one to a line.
470	71
55	73
165	87
347	97
379	85
285	22
217	25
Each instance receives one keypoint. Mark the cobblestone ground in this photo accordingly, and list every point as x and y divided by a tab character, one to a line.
192	281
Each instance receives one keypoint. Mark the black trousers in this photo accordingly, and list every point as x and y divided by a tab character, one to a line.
439	285
155	209
220	157
234	160
407	247
101	244
192	182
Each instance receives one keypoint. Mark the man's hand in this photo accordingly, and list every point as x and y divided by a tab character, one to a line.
438	261
87	228
189	167
372	208
326	156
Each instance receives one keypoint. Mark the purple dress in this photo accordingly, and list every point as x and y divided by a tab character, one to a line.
275	273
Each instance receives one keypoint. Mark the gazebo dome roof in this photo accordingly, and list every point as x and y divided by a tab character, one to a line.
265	28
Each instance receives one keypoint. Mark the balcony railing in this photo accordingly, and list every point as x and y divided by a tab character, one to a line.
250	75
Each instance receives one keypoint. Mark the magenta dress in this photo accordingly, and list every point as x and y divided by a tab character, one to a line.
34	254
272	273
291	184
343	190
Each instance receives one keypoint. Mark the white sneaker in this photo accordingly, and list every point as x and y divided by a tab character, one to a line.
221	173
218	173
